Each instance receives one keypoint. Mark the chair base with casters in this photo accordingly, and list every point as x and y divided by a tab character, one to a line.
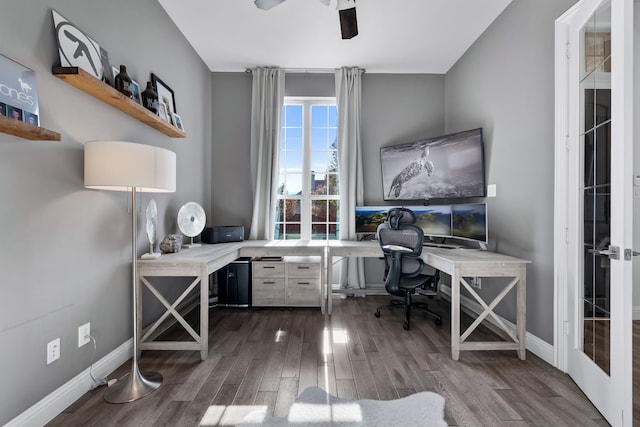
409	304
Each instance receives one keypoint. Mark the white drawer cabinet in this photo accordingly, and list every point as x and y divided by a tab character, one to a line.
268	283
303	281
292	282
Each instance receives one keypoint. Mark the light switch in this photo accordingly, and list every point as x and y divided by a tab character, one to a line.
636	181
491	190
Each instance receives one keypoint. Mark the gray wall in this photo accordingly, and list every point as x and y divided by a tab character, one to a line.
66	256
395	108
505	84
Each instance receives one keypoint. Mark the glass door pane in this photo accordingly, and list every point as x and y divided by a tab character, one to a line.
596	139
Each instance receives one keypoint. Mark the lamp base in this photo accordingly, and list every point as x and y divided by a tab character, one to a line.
133	386
151	255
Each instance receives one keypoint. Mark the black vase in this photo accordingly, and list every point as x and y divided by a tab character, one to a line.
150	98
123	82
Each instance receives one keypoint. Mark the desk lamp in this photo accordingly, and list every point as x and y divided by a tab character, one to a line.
127	166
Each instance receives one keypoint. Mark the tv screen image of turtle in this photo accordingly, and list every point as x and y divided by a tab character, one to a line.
444	167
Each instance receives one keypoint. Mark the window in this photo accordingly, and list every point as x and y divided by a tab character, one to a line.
308	202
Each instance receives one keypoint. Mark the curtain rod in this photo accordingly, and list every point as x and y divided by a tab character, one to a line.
305	70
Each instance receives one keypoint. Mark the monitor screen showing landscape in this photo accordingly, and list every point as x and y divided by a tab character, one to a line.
434	220
469	221
368	218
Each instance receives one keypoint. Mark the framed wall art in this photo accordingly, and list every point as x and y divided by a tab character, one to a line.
135	91
162	112
18	90
177	120
77	49
165	96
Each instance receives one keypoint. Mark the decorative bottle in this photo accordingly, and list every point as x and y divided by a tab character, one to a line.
123	82
150	98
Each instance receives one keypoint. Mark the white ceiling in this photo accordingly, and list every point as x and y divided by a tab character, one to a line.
395	36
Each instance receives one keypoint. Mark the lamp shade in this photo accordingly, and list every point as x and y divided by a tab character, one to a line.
120	166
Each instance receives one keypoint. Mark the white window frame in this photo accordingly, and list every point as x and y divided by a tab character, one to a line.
307	198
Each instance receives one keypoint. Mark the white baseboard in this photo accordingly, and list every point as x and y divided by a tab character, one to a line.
535	345
57	401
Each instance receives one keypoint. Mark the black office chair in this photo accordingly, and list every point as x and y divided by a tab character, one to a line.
401	242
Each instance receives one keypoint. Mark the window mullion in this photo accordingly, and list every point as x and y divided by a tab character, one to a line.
306	167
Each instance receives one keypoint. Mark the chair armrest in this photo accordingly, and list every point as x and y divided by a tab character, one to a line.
396	248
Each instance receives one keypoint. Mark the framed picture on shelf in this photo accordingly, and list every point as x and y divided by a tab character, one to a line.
177	120
162	112
135	91
18	89
30	118
77	49
165	96
14	112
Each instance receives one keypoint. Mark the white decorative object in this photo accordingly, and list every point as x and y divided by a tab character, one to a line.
152	220
191	221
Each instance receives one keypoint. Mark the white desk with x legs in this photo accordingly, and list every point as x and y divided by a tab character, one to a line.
199	263
461	263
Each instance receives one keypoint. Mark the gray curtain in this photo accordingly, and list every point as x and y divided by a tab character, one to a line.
267	98
349	104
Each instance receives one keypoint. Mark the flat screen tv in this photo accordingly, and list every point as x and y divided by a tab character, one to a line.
469	222
444	167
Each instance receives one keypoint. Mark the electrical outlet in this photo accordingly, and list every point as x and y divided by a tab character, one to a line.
53	351
84	334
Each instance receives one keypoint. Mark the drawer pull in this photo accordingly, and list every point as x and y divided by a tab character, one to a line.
303	268
269	283
304	283
269	266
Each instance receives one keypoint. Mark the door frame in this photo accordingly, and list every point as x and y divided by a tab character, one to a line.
565	197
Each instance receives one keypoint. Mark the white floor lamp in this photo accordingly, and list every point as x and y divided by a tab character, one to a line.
127	166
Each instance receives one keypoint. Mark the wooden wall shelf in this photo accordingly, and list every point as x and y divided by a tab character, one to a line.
86	82
27	131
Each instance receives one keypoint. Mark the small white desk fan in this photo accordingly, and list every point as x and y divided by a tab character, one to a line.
191	221
152	220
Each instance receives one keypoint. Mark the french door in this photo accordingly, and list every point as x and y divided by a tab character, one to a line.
594	172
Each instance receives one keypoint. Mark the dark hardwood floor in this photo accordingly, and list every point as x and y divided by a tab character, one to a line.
267	357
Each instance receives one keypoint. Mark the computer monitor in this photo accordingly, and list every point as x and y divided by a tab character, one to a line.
368	218
435	220
469	222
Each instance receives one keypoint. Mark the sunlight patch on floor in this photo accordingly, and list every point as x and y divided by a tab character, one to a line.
222	415
307	413
332	336
280	335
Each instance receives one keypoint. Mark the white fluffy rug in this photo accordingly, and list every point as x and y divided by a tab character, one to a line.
316	408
